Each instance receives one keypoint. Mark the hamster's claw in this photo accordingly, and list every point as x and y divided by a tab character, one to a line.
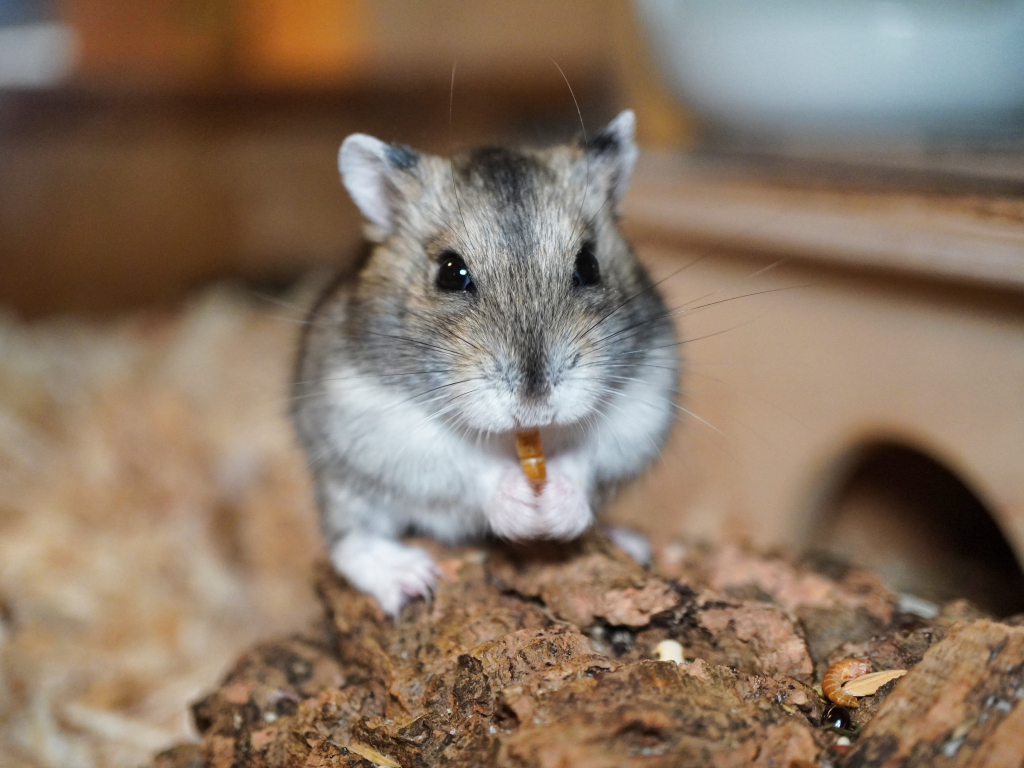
390	572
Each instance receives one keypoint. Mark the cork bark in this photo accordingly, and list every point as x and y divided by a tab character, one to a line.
545	657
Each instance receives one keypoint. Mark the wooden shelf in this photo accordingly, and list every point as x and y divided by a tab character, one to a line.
970	236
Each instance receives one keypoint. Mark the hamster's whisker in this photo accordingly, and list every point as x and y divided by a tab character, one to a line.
681	311
652	287
592	219
614	377
464	427
283	319
463	339
635	364
440	414
372	376
611	403
684	309
321	389
579	428
417	342
313	459
301	310
418	395
603	394
615	435
418	426
687	310
671	403
691	372
750	276
698	338
586	153
449	331
678	310
451	161
694	416
634	379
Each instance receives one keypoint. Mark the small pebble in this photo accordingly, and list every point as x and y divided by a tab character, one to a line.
669	650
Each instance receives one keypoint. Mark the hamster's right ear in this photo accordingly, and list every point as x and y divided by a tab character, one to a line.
374	174
613	153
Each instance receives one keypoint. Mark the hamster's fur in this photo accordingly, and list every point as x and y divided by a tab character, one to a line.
500	296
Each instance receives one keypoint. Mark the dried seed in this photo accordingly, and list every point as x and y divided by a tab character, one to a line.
868	684
367	752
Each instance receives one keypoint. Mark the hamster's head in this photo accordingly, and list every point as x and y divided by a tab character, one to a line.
501	293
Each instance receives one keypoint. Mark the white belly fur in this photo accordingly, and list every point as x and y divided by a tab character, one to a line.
442	476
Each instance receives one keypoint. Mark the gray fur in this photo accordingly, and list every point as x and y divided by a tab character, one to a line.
527	348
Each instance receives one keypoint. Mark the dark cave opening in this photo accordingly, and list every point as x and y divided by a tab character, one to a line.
907	516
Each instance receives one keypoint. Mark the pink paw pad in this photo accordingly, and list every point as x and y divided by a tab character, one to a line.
516	511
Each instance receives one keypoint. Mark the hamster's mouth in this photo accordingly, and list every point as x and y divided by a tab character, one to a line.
493	408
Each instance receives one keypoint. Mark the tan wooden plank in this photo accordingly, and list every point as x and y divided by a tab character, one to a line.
965	238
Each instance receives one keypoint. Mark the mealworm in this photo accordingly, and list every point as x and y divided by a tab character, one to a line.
531	457
839	673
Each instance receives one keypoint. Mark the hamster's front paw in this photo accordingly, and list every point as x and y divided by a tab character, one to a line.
390	572
560	511
633	543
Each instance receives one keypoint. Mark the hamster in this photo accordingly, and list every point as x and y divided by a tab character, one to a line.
499	297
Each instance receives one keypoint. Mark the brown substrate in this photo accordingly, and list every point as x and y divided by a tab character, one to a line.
546	657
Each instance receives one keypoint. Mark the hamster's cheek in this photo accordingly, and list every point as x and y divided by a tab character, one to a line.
515	511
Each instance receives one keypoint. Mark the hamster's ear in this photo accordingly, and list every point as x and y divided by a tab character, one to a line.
372	172
613	153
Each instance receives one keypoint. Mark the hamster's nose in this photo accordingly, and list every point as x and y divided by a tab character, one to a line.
534	385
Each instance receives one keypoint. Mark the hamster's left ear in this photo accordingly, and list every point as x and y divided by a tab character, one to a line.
376	176
613	153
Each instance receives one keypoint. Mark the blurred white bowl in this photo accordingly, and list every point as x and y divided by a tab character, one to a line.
845	67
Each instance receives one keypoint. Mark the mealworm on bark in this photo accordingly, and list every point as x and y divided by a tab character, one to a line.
839	673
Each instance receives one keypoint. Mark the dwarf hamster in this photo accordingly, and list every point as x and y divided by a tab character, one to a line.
499	296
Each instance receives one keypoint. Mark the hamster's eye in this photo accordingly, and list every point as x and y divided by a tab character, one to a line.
454	274
587	272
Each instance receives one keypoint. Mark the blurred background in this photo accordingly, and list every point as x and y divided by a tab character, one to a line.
148	147
833	193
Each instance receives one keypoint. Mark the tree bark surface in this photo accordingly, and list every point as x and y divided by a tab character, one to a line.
545	657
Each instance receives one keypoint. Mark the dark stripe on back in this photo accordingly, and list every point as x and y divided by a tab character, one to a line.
506	174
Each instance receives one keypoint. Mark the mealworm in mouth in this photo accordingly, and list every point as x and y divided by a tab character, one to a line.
531	457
